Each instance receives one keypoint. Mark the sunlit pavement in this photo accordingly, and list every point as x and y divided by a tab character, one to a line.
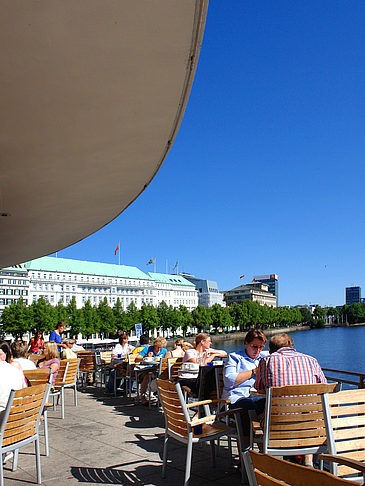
110	440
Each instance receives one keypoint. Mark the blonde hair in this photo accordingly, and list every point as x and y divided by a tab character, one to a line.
180	343
160	341
51	349
203	336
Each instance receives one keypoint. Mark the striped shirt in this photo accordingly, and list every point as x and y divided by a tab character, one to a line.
287	367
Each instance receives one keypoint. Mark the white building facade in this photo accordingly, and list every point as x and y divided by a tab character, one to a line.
60	279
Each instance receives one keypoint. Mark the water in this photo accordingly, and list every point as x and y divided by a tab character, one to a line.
340	348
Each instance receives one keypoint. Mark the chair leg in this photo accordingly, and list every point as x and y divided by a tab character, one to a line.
15	460
46	443
1	471
212	447
38	460
164	455
75	395
62	394
189	453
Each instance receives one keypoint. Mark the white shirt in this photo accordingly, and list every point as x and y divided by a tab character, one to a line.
26	364
11	378
122	350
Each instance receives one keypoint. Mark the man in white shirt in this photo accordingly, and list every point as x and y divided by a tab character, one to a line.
11	378
19	348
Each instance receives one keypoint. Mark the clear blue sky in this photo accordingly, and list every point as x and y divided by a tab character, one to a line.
267	172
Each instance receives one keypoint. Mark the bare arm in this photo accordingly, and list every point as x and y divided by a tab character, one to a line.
244	376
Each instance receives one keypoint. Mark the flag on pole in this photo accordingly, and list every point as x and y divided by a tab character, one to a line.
117	249
242	276
152	261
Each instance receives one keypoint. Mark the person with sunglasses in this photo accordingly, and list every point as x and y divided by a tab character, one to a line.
239	376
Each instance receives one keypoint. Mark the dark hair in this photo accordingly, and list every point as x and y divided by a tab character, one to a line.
280	341
4	346
144	339
122	336
255	334
61	323
19	348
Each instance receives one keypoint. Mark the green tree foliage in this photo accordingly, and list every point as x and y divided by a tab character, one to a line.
120	317
201	318
106	318
43	315
89	320
148	317
133	315
220	317
185	318
16	319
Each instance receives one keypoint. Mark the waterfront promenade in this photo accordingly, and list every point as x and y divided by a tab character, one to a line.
107	440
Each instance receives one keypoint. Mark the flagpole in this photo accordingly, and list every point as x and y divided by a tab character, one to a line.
119	252
155	265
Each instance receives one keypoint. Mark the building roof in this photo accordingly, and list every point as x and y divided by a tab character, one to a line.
170	279
87	268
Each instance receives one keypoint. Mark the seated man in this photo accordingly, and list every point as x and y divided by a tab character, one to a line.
285	366
68	352
158	350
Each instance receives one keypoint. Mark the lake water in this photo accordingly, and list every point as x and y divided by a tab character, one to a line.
340	348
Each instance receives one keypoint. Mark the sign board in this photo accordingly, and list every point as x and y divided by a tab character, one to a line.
138	328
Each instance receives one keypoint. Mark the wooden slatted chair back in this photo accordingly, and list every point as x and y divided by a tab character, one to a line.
347	410
87	361
35	357
294	417
72	369
163	371
270	470
38	376
176	421
24	415
174	364
105	357
61	375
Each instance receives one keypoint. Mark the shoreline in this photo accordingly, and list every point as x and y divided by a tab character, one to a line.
268	332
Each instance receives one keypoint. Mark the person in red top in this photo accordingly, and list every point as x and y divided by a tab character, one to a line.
285	366
36	343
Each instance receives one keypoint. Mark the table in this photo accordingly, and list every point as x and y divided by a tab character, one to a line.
139	370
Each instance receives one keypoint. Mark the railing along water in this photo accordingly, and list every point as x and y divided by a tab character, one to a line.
358	381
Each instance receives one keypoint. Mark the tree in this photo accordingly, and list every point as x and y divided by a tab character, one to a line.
133	315
120	317
89	319
201	318
106	317
185	318
220	316
16	319
42	315
148	317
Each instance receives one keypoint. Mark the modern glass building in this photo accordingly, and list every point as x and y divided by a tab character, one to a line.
353	295
272	281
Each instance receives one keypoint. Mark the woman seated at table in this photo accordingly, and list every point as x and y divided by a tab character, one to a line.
201	353
51	359
180	347
158	350
239	376
123	348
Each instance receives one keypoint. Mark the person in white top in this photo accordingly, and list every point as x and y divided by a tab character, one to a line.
11	378
122	349
68	352
19	348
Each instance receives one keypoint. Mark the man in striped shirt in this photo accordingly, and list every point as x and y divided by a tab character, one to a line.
285	366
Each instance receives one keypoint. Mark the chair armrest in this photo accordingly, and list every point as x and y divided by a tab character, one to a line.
345	461
203	420
207	402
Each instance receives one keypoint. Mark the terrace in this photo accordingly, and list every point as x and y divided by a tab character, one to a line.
107	440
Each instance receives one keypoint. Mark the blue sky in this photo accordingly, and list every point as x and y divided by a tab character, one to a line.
266	174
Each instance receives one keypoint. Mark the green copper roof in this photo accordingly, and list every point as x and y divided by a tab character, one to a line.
170	279
52	264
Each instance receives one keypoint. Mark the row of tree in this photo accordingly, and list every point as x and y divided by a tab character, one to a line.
20	318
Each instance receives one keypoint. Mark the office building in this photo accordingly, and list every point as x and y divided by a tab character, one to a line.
255	291
208	293
353	295
60	279
272	281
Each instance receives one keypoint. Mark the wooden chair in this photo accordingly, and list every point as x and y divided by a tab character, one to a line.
36	377
105	360
174	364
70	380
294	420
88	366
266	470
19	424
345	416
35	357
181	427
58	388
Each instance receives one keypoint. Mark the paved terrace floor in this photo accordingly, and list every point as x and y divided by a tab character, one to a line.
111	440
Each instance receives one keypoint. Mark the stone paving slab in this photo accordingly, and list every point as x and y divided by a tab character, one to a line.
111	440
